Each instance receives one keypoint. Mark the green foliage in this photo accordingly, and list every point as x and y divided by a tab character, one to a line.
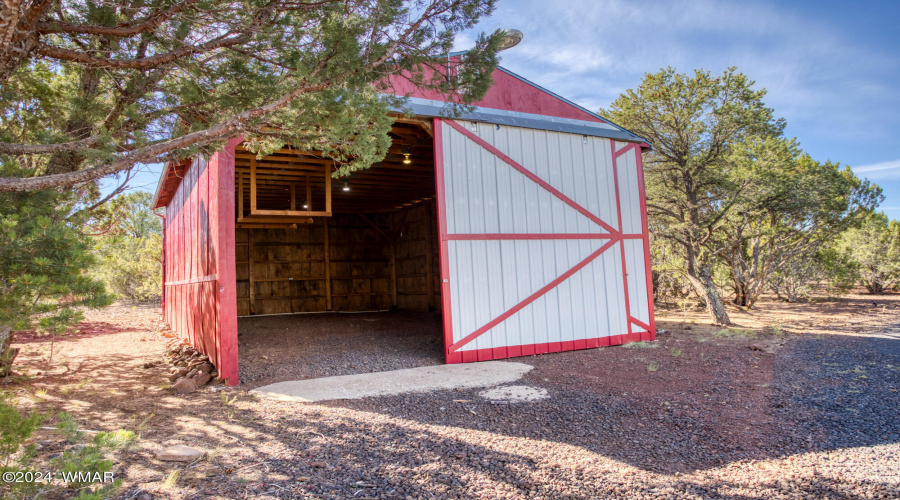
694	122
130	252
773	225
44	258
317	75
802	274
730	200
15	429
85	456
89	456
874	247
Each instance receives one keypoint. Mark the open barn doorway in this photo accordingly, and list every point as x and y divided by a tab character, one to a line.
337	277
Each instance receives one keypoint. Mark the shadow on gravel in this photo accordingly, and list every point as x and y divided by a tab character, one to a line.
828	393
843	392
300	450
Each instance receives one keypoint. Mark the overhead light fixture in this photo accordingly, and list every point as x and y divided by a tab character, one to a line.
511	38
406	152
306	205
346	186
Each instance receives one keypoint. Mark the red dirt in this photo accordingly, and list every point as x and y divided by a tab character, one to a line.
695	415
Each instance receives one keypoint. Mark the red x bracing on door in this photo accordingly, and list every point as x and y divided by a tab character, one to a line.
560	279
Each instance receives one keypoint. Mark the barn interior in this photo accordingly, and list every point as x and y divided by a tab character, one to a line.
307	243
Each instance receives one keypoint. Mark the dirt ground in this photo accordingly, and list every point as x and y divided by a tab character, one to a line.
795	401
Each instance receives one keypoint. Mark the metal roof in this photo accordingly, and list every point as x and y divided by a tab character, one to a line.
428	107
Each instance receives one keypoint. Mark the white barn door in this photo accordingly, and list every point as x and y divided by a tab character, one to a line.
543	241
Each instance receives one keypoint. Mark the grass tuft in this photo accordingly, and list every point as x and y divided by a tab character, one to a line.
641	345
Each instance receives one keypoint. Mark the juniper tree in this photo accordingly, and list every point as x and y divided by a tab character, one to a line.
93	88
875	249
693	122
724	187
44	261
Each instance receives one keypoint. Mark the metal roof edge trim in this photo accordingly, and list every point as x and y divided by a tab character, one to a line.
427	107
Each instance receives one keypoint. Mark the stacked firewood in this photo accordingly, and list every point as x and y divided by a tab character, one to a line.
191	369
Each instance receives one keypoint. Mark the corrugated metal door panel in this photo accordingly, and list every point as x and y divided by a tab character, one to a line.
583	166
575	321
481	188
483	292
629	195
637	286
536	260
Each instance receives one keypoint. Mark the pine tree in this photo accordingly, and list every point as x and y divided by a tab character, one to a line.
44	261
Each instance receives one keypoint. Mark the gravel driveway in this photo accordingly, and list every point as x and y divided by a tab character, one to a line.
703	413
721	419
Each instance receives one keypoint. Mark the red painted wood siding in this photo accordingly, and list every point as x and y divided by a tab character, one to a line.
200	297
507	93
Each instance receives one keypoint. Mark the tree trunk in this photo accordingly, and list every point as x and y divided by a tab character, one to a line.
700	277
7	353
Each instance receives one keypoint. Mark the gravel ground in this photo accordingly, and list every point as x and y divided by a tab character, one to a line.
301	346
703	413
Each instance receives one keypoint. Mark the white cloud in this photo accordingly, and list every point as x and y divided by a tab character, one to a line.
880	171
819	76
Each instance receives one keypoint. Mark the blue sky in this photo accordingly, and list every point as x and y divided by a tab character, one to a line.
830	67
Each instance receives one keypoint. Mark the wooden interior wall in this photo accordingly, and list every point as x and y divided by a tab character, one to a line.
372	262
418	258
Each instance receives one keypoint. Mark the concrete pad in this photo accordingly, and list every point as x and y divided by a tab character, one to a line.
515	393
423	379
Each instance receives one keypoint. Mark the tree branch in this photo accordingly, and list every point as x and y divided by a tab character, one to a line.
119	31
142	63
199	138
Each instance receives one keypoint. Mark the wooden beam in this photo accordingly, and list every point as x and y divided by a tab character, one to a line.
327	266
250	219
290	213
250	269
252	188
240	195
375	226
328	189
429	257
393	274
262	225
293	198
308	194
421	122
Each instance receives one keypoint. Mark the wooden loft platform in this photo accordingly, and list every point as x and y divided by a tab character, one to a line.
291	187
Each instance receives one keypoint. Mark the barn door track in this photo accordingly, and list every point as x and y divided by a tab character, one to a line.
390	383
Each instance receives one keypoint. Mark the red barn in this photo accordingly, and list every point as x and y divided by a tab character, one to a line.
523	222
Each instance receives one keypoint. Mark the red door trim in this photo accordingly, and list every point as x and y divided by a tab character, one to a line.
640	323
615	167
527	173
645	227
620	152
446	312
540	236
536	295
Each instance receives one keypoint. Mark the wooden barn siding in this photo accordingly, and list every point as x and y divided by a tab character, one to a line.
199	290
288	265
416	251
